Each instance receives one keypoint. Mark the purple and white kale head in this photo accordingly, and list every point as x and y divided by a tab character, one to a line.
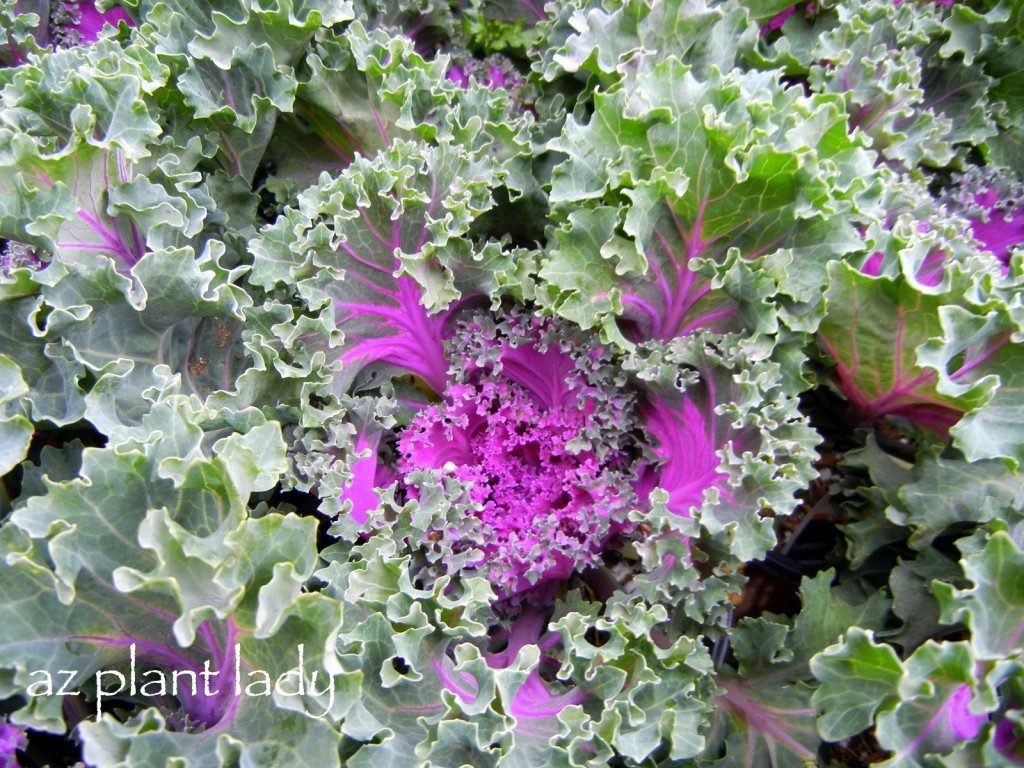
533	423
59	24
496	72
78	22
557	449
993	203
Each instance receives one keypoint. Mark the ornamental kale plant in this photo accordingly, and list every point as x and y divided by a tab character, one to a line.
599	383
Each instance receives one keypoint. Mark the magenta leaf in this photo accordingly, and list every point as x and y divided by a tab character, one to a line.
686	445
370	242
12	738
368	472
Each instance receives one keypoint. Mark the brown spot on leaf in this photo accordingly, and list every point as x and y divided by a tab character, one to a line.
221	335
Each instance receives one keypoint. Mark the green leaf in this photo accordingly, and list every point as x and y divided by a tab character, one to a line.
176	319
151	551
235	65
380	243
827	613
978	361
104	204
50	373
770	723
764	714
397	636
913	600
94	94
25	28
993	608
15	430
698	171
857	678
359	91
947	492
613	43
920	105
650	692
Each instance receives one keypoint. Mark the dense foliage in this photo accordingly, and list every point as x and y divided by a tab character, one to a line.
476	383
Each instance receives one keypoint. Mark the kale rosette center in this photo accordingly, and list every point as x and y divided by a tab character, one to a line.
535	425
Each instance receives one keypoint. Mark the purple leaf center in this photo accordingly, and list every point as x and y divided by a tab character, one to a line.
517	433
